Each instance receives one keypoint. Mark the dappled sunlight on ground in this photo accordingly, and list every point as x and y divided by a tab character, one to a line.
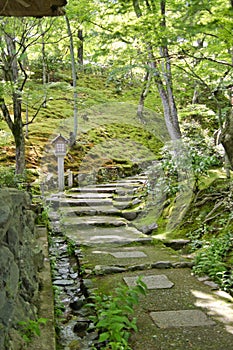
219	304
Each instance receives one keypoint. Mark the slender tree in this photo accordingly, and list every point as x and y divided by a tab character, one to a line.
161	71
17	35
74	79
11	67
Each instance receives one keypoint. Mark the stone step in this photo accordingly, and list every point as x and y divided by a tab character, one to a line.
134	180
95	236
90	210
103	221
93	189
123	185
89	195
85	202
109	187
124	198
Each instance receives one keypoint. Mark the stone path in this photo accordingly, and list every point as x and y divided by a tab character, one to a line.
179	312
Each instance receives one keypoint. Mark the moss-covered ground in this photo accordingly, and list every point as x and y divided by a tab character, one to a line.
110	134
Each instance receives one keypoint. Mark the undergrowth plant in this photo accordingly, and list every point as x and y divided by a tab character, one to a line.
188	160
71	247
113	317
211	261
8	178
31	328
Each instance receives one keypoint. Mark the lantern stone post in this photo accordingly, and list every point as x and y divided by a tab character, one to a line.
59	144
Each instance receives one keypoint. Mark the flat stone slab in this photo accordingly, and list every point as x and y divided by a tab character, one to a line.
90	210
90	195
94	220
86	201
94	235
94	189
127	254
126	184
181	318
151	281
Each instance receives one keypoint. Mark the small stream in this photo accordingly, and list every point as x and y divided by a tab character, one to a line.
72	321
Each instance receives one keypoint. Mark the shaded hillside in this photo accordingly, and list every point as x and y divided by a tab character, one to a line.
104	119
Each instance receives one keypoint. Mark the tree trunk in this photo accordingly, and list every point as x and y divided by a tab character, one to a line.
169	107
16	126
144	93
227	138
44	70
74	77
80	47
172	117
162	80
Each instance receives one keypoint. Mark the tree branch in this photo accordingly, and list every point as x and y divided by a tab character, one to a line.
111	31
6	114
208	59
35	115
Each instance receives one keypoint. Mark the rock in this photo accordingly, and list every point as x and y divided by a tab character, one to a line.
161	265
77	304
81	327
63	271
21	259
148	229
129	215
212	284
63	283
104	270
183	264
203	278
88	283
136	201
139	267
177	244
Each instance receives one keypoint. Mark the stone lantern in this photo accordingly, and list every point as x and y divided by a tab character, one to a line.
60	147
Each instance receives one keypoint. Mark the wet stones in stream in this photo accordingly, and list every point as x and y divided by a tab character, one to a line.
70	296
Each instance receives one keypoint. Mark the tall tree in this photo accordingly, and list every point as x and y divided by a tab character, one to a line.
11	66
17	35
145	26
74	80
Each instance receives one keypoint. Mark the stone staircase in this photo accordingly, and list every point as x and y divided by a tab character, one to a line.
103	213
179	312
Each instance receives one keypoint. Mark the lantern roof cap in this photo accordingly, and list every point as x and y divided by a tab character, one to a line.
59	138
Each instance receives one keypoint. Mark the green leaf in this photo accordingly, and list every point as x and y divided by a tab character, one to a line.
103	337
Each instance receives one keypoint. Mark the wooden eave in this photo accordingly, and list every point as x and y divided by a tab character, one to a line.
32	8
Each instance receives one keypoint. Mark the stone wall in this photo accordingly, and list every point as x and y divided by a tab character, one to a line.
20	261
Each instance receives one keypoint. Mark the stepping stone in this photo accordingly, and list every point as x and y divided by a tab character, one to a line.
94	220
152	281
124	198
89	195
85	201
181	318
127	254
83	210
123	185
94	189
93	235
122	205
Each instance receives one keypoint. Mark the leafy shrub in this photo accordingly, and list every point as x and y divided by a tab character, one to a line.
188	159
211	261
8	178
113	316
